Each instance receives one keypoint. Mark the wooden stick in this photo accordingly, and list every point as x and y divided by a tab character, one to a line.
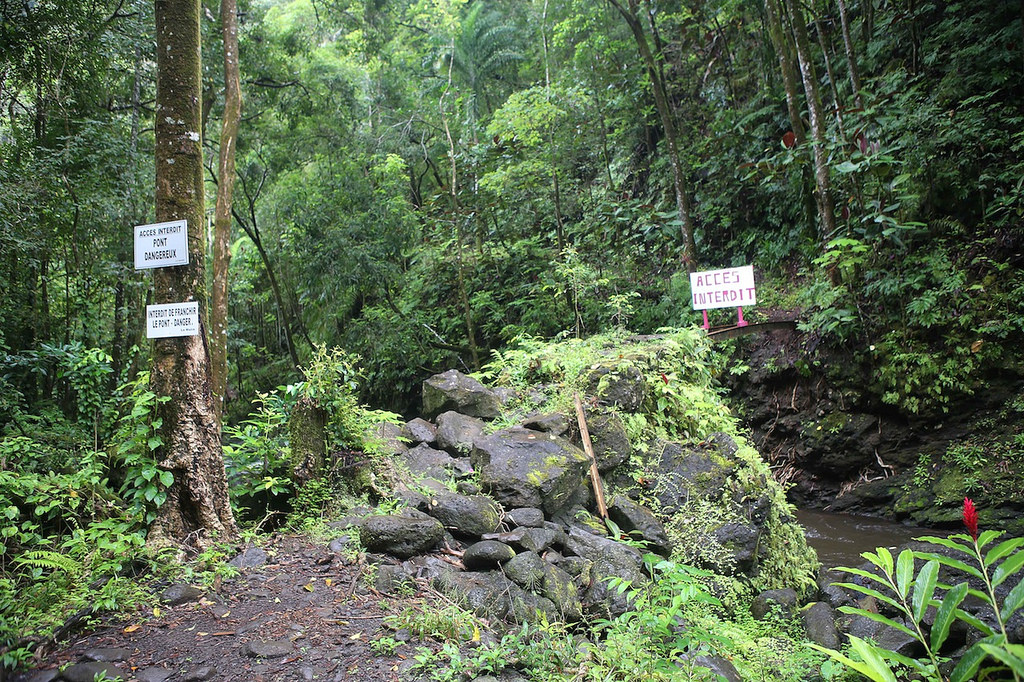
595	477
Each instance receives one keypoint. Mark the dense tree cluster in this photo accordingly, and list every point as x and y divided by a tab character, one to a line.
421	181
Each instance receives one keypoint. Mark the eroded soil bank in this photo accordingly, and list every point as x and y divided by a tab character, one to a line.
818	415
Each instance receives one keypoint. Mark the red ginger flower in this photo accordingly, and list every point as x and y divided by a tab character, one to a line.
971	517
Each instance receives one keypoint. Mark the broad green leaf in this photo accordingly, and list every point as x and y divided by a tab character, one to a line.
1013	601
1002	549
945	614
904	660
883	559
863	668
979	595
946	542
904	572
969	662
870	655
988	536
975	622
166	478
881	580
1010	566
1012	655
879	618
924	588
873	593
154	442
952	563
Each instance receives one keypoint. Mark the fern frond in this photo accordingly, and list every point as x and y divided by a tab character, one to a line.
48	559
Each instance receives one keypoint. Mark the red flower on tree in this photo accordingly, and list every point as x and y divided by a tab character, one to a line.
971	517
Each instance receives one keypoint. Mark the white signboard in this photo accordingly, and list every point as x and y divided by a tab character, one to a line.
161	245
172	319
730	288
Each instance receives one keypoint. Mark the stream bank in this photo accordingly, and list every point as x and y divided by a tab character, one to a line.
817	416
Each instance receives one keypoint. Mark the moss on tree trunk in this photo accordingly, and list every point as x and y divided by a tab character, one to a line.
307	435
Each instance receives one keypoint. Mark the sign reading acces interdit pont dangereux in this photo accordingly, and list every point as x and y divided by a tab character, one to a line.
172	319
729	288
161	245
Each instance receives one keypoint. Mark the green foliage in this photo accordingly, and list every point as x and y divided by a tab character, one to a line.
448	622
256	455
135	443
544	652
649	641
909	591
332	381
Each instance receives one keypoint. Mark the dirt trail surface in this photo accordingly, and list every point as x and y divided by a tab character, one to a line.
304	614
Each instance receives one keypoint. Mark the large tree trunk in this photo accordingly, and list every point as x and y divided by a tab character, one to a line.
631	15
197	510
791	83
790	79
826	209
222	213
851	54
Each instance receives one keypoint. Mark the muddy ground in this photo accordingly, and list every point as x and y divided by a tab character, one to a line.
307	613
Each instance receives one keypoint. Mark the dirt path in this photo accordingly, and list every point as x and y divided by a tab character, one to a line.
305	614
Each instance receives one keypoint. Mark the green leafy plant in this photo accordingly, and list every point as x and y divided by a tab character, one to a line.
135	443
910	593
656	638
446	622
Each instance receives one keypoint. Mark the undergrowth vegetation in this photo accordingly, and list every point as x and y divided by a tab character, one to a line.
80	484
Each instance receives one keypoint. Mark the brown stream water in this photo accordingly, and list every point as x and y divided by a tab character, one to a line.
840	538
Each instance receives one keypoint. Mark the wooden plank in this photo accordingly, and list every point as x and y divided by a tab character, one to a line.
733	332
595	476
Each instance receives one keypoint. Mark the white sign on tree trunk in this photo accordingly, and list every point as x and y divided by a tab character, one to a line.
729	288
172	319
161	245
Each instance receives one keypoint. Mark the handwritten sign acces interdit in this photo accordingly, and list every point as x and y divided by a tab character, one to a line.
729	288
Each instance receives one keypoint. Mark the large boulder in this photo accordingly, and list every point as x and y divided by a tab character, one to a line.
485	593
453	390
610	440
401	535
486	554
549	422
420	431
424	461
526	569
524	468
608	559
456	432
638	520
465	515
559	587
744	547
819	621
687	473
622	385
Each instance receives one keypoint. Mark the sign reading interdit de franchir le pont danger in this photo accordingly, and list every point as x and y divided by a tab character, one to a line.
172	319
